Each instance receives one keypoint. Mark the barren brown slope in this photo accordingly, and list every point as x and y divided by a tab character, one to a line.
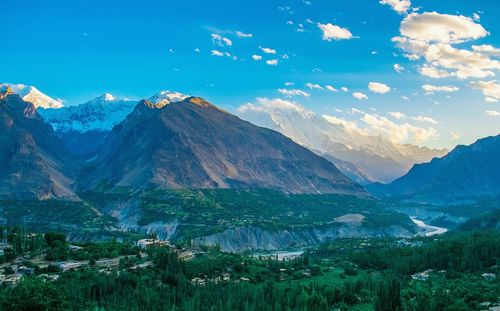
33	162
194	144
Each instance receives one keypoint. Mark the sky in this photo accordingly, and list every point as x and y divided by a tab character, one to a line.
422	72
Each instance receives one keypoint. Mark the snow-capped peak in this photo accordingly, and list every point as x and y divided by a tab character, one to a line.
107	97
166	97
32	95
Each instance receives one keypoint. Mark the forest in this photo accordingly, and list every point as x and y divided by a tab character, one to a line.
456	271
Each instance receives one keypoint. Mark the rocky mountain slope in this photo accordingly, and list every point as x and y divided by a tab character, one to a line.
466	171
193	144
33	161
376	158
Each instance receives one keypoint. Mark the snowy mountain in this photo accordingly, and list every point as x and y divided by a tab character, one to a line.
101	113
376	158
32	95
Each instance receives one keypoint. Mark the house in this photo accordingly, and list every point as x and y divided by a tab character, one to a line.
75	248
26	270
147	243
68	265
12	280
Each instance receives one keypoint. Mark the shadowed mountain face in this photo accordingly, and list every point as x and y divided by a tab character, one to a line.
193	144
33	161
466	171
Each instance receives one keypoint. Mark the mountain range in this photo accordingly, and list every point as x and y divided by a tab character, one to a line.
174	141
360	156
467	171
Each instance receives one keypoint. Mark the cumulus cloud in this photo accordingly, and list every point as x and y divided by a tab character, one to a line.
430	36
490	89
272	62
359	95
293	92
331	88
433	72
398	133
400	6
221	41
398	68
344	89
379	88
487	49
349	125
493	113
441	88
268	50
334	32
397	115
441	28
314	86
256	57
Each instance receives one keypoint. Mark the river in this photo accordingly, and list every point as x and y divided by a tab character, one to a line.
428	229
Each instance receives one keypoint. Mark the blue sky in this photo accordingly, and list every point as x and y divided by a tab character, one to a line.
76	50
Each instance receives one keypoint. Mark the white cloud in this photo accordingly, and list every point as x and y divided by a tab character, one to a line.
331	88
272	62
493	113
221	41
442	88
400	6
487	49
441	28
314	86
293	92
256	57
344	89
267	50
379	88
425	119
455	136
398	132
217	53
398	68
241	34
490	89
349	125
430	35
359	95
397	115
289	83
433	72
405	98
197	50
334	32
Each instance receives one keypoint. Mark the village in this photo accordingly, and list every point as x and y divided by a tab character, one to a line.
30	263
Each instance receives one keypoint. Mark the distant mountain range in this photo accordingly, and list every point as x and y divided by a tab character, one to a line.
466	171
362	157
170	141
